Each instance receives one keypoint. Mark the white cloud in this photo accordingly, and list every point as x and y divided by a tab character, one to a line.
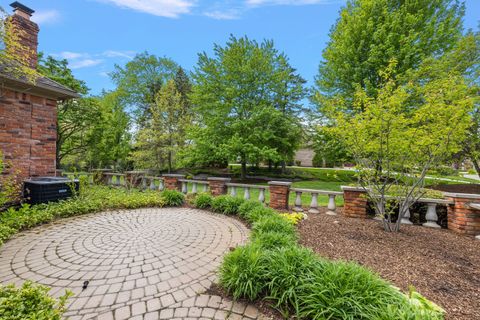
162	8
70	55
223	15
119	54
78	60
46	16
85	63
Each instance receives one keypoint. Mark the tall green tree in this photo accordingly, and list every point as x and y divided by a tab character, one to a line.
164	135
370	33
140	80
110	137
247	101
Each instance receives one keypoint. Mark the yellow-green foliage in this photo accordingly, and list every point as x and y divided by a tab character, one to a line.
293	218
30	302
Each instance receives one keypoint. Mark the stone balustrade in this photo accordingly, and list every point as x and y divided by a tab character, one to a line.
246	190
463	209
331	208
115	179
196	185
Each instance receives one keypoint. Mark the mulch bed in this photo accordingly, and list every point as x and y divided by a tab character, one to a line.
441	265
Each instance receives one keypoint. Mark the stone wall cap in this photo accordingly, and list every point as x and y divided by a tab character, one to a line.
462	195
279	183
218	179
352	188
173	175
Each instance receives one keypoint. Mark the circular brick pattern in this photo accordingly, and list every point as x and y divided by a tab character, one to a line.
139	264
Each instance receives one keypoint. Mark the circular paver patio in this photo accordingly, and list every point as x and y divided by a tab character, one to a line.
140	264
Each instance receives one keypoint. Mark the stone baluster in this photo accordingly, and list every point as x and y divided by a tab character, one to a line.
314	203
246	194
233	191
152	184
406	217
261	195
194	188
109	180
144	183
205	187
298	202
332	206
161	185
431	216
119	180
184	187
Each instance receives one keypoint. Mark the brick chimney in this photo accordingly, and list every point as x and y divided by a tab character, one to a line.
26	33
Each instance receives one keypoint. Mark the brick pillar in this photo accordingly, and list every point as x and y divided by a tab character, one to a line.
218	186
171	181
355	202
464	213
134	178
279	193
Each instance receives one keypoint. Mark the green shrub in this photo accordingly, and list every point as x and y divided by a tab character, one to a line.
242	272
30	302
172	198
226	204
274	240
203	200
247	206
274	223
256	213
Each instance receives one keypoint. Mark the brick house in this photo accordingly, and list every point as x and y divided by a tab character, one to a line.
28	111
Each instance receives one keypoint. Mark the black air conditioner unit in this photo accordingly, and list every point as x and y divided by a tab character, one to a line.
46	189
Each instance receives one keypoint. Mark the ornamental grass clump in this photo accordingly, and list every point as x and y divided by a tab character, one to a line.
226	204
271	223
258	212
172	198
202	201
247	206
242	272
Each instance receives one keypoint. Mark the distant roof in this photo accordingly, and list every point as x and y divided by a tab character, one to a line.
42	86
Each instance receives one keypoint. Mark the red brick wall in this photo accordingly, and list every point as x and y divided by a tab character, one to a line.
28	133
461	217
279	193
355	205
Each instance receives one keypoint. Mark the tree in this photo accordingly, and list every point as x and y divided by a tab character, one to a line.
164	135
90	130
370	33
246	99
110	137
140	80
395	140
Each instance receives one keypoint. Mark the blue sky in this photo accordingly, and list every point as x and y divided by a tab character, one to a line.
95	34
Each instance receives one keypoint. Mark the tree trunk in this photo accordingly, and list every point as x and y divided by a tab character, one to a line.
284	167
270	165
169	161
244	170
476	164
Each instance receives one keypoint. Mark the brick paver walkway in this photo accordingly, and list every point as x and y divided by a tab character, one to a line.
140	264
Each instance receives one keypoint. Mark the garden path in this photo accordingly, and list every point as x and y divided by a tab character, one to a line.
140	264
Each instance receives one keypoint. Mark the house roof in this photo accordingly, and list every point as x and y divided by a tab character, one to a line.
42	86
